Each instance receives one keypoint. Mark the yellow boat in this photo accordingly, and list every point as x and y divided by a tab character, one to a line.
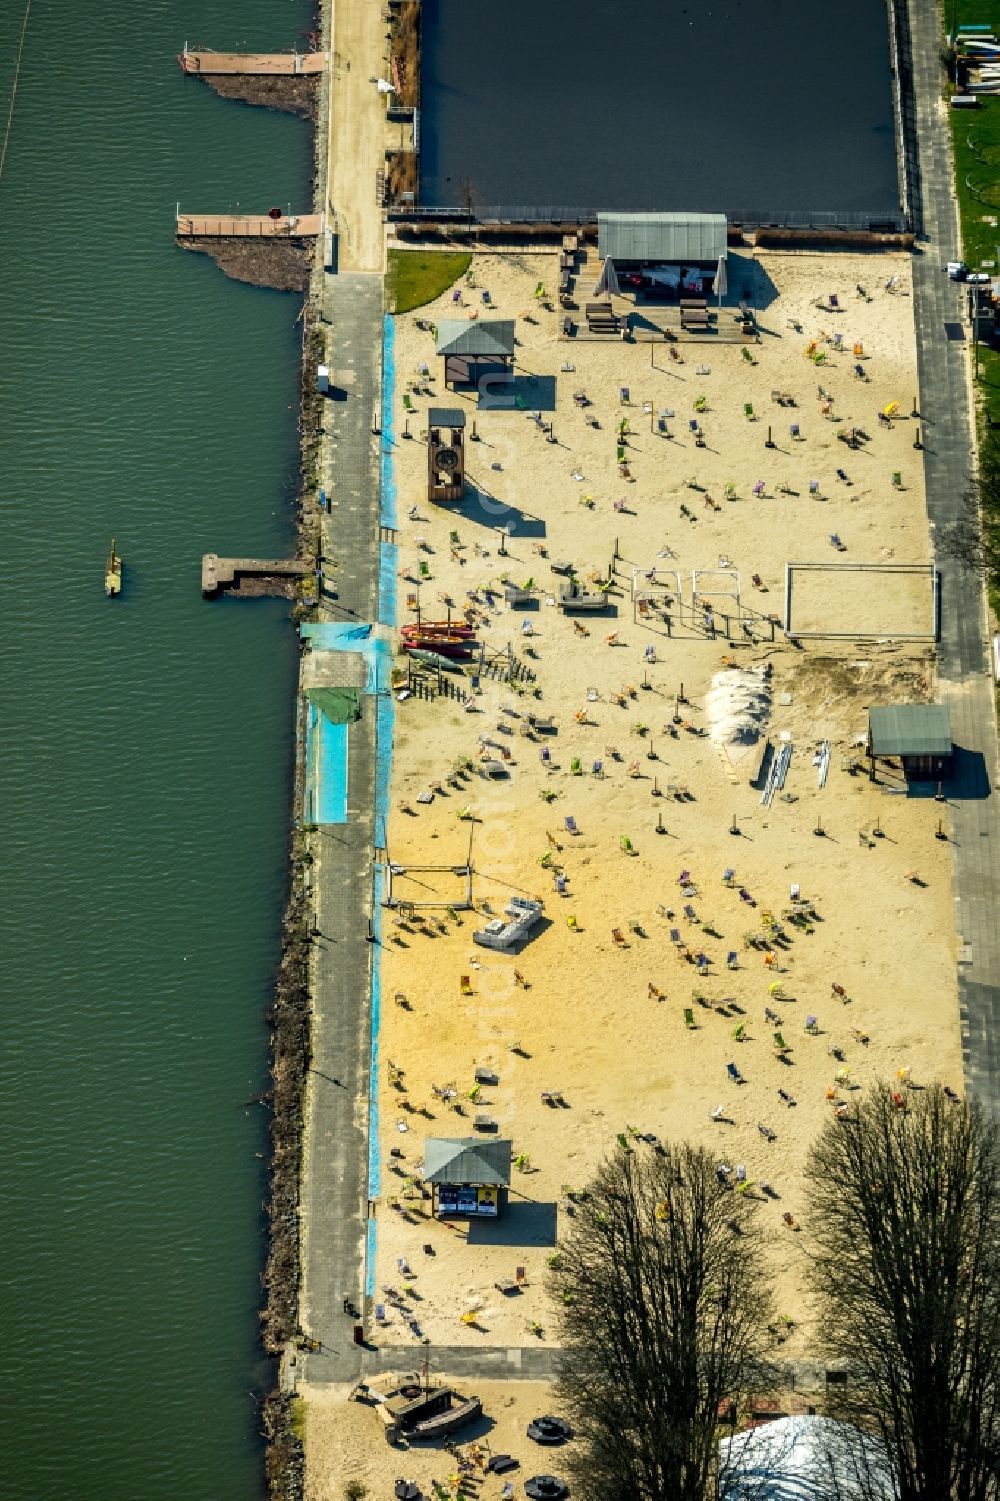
113	573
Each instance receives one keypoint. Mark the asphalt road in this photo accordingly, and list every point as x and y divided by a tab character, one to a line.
966	683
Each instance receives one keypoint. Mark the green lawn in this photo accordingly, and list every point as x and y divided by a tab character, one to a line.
418	276
976	140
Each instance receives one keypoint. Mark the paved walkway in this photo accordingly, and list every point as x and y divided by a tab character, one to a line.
335	1167
964	658
485	1362
356	139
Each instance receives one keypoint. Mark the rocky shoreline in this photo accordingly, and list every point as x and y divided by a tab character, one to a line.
296	95
290	1017
284	265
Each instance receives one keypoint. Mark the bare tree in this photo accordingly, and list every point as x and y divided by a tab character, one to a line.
905	1220
663	1317
468	198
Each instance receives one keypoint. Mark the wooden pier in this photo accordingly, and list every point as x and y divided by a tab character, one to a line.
249	226
257	64
252	576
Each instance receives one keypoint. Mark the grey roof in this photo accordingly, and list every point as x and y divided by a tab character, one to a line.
466	1159
446	417
484	336
661	237
910	730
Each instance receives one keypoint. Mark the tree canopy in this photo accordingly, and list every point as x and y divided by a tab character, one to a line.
664	1318
905	1220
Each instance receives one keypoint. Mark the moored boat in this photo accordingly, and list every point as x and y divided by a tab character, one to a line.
445	646
113	573
437	628
433	659
439	636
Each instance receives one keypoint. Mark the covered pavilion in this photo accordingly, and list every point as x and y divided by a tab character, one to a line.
473	350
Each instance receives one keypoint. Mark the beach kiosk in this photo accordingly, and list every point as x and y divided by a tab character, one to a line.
475	351
918	735
468	1177
667	255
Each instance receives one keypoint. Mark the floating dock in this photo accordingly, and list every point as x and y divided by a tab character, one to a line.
258	64
256	576
248	226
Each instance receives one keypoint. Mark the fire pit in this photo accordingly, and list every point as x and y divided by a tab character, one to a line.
549	1430
545	1488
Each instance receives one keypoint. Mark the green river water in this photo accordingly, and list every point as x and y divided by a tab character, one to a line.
145	751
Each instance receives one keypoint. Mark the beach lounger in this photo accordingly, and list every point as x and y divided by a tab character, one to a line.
571	827
732	961
690	913
793	891
812	1025
734	1073
675	937
408	401
576	767
780	1045
836	542
689	1020
597	769
465	985
404	1266
748	411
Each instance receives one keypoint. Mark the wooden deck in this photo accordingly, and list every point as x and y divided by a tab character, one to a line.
254	226
271	64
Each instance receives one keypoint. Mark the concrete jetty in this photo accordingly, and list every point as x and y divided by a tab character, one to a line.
251	575
258	64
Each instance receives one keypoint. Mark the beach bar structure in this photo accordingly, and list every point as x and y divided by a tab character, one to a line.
472	351
918	735
663	253
468	1177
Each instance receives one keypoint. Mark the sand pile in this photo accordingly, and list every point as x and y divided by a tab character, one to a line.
738	705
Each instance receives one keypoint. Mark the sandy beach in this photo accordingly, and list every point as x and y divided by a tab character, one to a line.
634	820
